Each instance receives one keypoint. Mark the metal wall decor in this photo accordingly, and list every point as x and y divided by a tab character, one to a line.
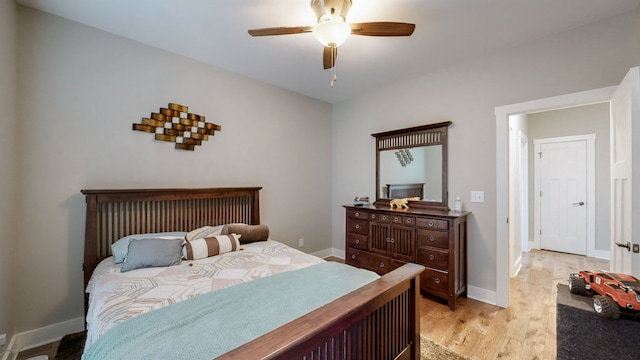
177	125
404	156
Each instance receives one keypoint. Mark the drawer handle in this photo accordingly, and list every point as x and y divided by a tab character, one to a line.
357	214
388	240
437	280
353	256
432	238
384	217
408	221
381	265
395	219
430	223
431	257
393	240
357	226
373	216
357	241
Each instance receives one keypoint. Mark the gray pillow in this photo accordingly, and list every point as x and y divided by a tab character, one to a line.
145	253
119	248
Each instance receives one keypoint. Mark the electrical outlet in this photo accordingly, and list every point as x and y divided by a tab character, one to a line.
301	243
477	196
3	339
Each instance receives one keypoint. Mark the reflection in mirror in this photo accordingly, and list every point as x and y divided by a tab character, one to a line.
414	172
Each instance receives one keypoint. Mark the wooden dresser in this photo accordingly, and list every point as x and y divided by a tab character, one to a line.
382	239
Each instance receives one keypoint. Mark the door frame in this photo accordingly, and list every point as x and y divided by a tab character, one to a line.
524	190
502	170
591	190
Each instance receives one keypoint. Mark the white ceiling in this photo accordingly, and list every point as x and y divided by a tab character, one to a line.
447	32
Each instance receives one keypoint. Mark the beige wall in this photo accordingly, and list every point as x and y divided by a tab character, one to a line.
8	160
590	119
589	57
80	91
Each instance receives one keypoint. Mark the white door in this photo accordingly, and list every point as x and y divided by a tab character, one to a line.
563	196
624	118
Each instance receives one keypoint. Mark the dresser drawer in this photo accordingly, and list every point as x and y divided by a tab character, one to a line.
383	218
357	214
432	223
397	219
357	241
409	220
358	226
367	260
435	280
433	258
439	239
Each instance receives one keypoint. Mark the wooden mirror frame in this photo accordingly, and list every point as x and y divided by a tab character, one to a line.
425	135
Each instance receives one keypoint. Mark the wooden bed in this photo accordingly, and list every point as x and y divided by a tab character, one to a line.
377	321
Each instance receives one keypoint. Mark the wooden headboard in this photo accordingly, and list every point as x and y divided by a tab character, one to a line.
113	214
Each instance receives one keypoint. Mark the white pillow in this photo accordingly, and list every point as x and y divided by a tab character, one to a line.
204	232
211	246
120	248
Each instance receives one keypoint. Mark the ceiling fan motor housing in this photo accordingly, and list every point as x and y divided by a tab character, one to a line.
330	8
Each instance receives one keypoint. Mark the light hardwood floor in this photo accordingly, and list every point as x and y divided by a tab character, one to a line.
526	330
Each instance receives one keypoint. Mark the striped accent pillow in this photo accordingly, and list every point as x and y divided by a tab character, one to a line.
211	246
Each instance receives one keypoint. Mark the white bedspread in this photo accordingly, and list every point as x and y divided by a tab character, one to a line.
116	297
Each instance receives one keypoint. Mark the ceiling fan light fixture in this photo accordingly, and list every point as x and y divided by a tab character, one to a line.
332	31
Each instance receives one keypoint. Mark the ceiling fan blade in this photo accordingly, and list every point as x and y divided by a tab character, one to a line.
280	30
382	29
329	59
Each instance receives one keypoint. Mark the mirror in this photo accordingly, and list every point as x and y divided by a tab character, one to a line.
412	163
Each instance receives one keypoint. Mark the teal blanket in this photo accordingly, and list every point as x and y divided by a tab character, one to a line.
212	324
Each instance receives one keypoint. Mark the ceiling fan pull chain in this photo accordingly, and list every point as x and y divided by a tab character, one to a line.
334	77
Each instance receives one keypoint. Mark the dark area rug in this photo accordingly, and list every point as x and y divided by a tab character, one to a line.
71	346
582	334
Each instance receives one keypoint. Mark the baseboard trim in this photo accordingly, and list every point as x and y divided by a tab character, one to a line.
480	294
45	335
332	252
600	254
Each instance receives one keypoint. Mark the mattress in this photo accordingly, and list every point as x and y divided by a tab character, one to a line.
115	296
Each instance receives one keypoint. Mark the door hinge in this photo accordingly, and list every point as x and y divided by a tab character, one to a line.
540	154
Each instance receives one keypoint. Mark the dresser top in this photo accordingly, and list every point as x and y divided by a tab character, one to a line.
410	211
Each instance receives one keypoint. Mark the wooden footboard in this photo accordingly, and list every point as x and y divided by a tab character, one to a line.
379	321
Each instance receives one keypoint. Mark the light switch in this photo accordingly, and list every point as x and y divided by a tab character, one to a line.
477	196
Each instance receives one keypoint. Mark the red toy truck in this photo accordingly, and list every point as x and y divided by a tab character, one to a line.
614	293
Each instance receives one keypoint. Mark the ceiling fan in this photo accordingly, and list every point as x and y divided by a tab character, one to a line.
332	29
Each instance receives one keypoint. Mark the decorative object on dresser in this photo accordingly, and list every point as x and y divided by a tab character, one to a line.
383	239
402	203
177	125
361	201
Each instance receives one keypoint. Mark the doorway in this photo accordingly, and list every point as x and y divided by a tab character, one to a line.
564	193
502	171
